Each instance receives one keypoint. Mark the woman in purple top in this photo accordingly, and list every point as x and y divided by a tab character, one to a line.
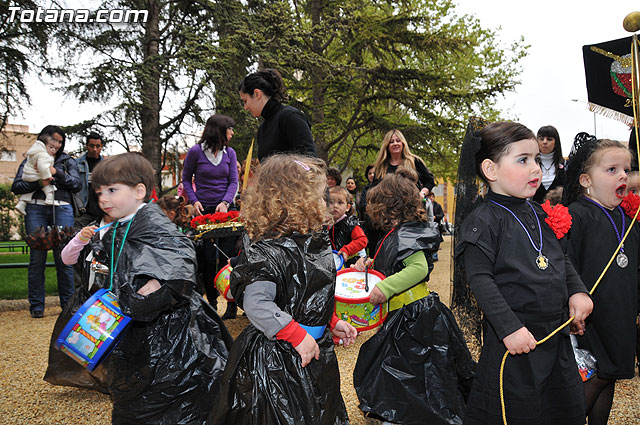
212	164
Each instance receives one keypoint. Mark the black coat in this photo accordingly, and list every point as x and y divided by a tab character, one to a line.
66	179
558	181
285	129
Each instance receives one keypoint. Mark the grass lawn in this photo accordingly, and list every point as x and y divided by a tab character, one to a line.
13	282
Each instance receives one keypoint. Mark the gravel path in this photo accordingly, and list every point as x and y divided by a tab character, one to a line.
27	399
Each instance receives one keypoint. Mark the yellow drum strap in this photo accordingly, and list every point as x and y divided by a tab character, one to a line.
412	294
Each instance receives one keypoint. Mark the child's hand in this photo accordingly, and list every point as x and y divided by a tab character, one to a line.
86	233
580	306
362	263
520	341
345	332
344	255
151	286
376	296
53	171
308	350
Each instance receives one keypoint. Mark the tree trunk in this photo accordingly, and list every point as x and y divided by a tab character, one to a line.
317	78
149	81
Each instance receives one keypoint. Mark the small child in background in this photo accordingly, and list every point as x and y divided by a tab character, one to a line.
177	209
334	178
347	237
282	367
39	166
168	365
554	196
595	193
395	377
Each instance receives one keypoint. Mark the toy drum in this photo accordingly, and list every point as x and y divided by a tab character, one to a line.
338	259
222	283
352	300
94	330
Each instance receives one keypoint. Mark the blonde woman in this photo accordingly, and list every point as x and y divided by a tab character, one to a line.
394	152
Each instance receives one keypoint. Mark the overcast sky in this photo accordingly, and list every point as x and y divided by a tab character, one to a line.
553	72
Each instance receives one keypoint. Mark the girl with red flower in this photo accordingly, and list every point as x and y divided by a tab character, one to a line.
597	180
524	284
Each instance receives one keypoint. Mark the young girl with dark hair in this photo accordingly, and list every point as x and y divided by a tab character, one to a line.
395	379
285	128
524	284
551	162
596	184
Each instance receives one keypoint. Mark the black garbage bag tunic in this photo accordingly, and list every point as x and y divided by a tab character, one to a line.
167	367
264	382
417	368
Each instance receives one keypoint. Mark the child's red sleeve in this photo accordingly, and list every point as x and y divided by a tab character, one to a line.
292	333
358	242
333	322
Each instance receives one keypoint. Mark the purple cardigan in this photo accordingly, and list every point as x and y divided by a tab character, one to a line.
214	183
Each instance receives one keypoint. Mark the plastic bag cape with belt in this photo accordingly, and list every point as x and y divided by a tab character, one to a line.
167	367
264	382
417	368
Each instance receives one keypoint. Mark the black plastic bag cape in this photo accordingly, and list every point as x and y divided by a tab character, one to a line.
404	241
264	382
62	369
167	367
417	369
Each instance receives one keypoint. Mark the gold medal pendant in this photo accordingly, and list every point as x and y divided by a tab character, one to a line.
542	262
622	260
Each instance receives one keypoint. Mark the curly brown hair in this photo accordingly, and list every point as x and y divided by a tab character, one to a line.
285	196
395	200
178	205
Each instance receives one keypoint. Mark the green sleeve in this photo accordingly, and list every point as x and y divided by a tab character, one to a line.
414	271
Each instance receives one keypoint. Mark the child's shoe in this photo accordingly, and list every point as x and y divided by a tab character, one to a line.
50	195
21	207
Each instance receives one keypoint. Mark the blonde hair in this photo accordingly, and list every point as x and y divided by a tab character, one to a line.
382	161
286	196
339	190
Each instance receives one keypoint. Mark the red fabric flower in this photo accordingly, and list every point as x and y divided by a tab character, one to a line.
214	218
558	218
630	205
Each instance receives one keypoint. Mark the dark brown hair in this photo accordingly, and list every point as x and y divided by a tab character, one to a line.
130	168
178	205
214	135
496	138
395	200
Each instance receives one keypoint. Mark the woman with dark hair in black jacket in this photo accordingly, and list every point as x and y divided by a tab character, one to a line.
67	181
285	128
552	162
